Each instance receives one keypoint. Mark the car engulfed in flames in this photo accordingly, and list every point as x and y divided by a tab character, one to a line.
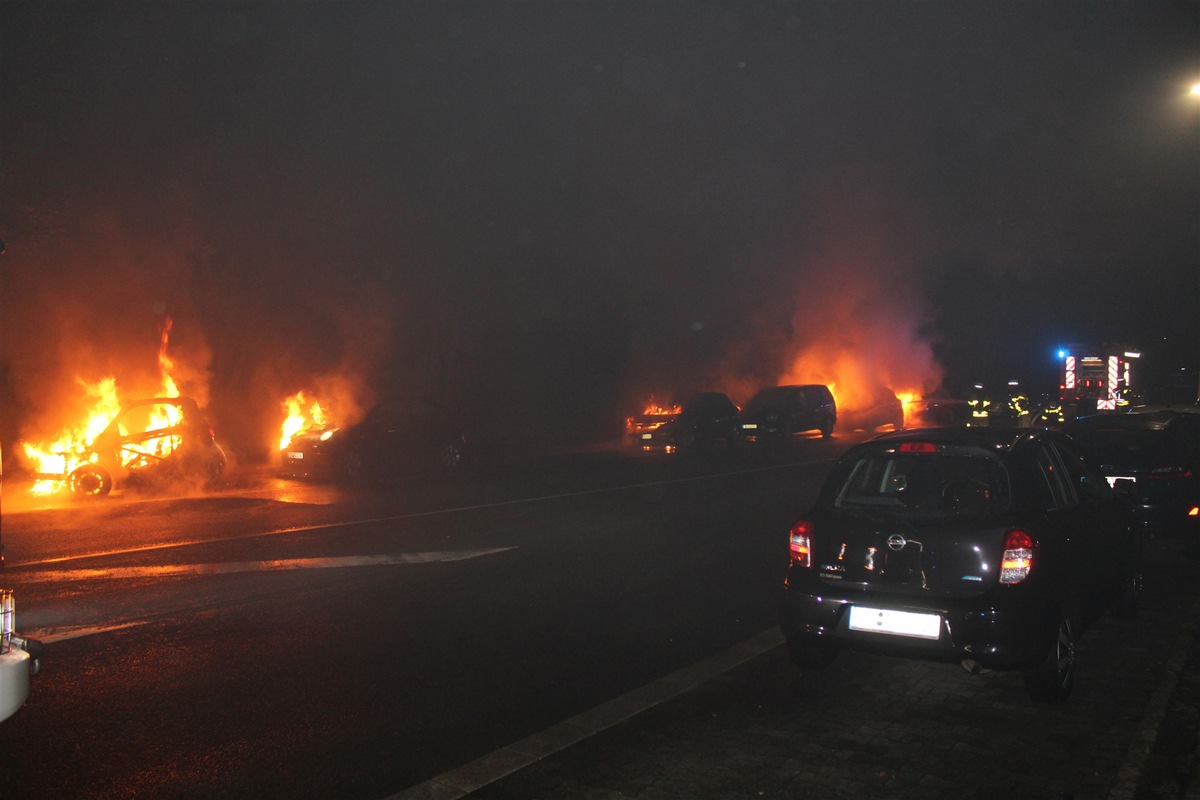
653	417
159	442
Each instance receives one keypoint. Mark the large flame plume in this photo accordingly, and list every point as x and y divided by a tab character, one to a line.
67	450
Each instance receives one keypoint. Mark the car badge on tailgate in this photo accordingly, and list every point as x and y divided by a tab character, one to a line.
896	542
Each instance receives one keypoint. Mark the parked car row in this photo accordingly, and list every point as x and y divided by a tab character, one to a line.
709	418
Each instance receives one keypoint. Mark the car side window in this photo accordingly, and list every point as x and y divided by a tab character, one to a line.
1053	488
1089	485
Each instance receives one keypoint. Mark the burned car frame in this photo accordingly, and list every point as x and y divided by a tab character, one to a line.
155	442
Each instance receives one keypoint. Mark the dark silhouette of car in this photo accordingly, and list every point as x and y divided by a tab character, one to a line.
989	547
881	409
707	418
775	414
937	412
157	443
398	437
1158	451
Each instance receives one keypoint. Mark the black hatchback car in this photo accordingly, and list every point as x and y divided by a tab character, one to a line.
707	418
398	437
1159	452
988	547
774	414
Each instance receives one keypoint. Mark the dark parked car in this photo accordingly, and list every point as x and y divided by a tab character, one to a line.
707	418
153	443
989	547
1159	451
938	412
882	408
774	414
397	437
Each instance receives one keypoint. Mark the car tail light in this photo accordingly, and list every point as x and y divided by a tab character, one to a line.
1194	511
1018	557
918	447
800	544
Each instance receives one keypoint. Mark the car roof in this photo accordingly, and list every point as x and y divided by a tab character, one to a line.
791	387
1152	420
999	439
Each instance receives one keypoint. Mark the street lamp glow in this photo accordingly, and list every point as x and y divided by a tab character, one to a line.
1195	90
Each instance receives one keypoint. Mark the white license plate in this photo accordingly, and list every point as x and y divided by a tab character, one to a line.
647	435
899	623
295	455
1112	479
750	426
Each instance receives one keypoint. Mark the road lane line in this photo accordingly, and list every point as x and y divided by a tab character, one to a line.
492	767
273	565
52	635
16	565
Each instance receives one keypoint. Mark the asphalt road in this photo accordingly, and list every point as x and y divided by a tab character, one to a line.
282	639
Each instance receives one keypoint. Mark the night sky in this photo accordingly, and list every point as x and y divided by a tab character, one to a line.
541	213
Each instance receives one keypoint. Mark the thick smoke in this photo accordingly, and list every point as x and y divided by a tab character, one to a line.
857	322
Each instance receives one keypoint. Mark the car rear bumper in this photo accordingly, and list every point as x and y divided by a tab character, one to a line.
994	638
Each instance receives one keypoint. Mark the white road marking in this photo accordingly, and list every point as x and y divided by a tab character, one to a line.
274	565
490	768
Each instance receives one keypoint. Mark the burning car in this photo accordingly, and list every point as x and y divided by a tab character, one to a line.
706	418
880	409
155	442
397	436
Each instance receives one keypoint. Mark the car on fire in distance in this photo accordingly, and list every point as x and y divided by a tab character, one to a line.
882	408
989	547
396	437
152	443
776	413
1158	450
706	419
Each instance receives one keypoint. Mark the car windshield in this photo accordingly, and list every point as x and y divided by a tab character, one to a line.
937	485
772	400
1129	448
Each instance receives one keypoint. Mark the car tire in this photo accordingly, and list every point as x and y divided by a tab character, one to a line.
827	430
1051	681
91	480
808	653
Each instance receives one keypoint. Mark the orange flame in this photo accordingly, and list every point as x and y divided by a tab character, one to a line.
68	450
302	414
653	409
